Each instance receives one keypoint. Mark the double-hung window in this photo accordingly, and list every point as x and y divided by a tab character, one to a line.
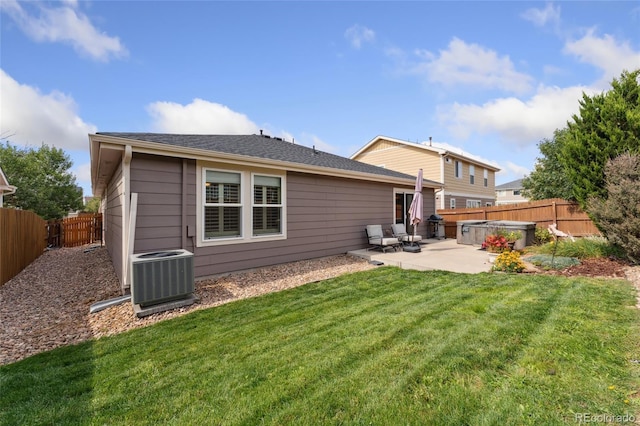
486	178
472	174
458	169
222	205
267	205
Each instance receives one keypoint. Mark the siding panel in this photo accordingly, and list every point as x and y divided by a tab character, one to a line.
158	182
325	216
113	220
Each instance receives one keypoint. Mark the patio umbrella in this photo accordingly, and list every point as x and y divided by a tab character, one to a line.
415	209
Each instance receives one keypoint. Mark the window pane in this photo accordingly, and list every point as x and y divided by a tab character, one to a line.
266	181
223	177
212	193
266	190
267	220
221	221
222	187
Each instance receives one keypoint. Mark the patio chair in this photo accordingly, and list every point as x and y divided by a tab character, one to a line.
400	232
378	240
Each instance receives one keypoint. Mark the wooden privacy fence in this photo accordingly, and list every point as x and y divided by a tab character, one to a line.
75	231
23	237
566	214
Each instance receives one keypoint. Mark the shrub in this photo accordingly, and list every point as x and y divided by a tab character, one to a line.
547	261
618	216
495	243
508	261
542	236
582	248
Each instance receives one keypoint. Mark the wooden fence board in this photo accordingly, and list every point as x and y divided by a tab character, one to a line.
75	231
567	215
23	238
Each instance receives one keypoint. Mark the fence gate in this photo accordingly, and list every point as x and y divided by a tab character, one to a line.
75	231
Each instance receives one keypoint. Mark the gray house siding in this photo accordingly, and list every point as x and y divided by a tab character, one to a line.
114	220
160	187
325	216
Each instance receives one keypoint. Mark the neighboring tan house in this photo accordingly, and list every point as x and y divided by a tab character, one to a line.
468	181
239	201
5	188
510	193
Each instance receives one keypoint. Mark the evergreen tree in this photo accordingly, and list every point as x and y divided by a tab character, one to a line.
607	126
548	179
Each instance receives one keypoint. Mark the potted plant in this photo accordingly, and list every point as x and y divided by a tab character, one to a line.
511	236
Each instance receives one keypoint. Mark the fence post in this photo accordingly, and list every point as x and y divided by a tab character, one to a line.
555	212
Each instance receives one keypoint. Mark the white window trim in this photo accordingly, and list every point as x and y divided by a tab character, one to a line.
477	203
452	203
281	205
246	225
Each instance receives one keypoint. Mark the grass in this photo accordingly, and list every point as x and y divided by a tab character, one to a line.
387	346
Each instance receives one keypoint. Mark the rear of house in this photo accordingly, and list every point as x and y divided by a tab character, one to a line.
467	180
239	201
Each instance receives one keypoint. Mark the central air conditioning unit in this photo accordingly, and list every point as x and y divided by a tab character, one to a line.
161	276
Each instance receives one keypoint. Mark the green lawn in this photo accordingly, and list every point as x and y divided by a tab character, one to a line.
380	347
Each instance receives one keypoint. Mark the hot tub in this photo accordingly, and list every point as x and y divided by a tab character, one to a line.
474	232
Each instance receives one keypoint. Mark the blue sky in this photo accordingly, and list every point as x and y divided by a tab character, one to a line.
490	78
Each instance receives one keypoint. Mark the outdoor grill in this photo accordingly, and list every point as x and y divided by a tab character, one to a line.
435	226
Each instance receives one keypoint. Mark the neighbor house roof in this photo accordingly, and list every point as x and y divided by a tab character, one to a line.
275	151
435	147
514	184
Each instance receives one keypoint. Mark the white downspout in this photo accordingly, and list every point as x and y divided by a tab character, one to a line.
126	173
442	180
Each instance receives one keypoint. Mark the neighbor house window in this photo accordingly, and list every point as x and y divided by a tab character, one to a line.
267	205
473	203
516	192
222	205
488	204
458	170
486	178
472	174
452	203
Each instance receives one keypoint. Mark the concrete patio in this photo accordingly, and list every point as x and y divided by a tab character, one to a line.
444	255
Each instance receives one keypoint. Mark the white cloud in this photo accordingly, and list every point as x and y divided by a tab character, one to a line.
512	169
516	121
34	118
542	17
82	172
199	117
472	65
357	34
67	25
606	53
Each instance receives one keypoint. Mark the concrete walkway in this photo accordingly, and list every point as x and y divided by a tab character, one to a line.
445	255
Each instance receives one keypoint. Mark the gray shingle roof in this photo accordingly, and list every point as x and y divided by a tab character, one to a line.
514	184
263	147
